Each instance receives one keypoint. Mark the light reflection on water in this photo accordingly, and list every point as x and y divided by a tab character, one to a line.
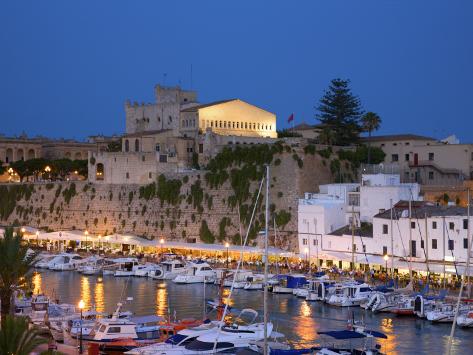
296	318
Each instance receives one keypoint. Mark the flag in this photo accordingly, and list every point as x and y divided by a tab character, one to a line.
291	118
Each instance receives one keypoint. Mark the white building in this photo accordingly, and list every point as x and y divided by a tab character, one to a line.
432	237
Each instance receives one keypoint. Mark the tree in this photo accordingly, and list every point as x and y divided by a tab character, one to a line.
3	169
327	136
14	266
17	338
288	133
81	166
370	122
340	111
115	146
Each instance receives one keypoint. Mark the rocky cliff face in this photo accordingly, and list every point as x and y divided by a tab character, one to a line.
180	207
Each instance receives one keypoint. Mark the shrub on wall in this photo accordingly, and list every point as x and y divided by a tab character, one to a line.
205	234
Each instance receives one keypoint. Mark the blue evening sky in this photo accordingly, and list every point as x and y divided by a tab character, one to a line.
66	67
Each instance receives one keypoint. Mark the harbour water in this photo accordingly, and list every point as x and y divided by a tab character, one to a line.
297	319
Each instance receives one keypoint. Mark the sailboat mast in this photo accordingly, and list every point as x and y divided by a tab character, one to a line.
265	297
470	240
392	239
352	238
410	238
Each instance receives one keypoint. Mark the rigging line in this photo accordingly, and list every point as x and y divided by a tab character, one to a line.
451	251
239	264
401	238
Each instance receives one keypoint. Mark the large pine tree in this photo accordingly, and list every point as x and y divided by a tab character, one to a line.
340	111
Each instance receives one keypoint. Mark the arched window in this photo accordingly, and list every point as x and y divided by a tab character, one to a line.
127	145
20	155
31	154
99	172
137	145
78	156
9	156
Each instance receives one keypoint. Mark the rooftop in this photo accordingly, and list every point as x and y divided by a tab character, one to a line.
420	209
145	133
397	137
197	107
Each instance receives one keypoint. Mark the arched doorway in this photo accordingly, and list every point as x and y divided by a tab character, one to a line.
78	156
68	155
99	172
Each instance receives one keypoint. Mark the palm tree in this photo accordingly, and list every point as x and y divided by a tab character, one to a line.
370	122
14	266
17	338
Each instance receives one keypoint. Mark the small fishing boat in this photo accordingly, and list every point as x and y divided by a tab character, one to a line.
65	262
142	270
405	307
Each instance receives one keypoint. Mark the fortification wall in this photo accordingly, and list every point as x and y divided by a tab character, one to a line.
105	209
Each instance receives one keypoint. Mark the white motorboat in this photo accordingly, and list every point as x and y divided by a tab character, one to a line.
65	262
126	267
168	270
138	328
44	261
142	270
255	282
179	340
321	290
351	295
196	273
238	280
384	301
465	320
445	313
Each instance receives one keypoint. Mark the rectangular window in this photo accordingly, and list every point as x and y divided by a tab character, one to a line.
127	175
422	244
314	242
465	243
413	248
304	241
450	245
431	156
465	224
406	157
413	225
201	148
113	330
354	247
149	175
394	157
158	147
434	243
364	248
385	250
434	225
385	229
451	225
431	175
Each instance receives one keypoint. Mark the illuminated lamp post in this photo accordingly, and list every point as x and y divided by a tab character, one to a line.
161	242
86	233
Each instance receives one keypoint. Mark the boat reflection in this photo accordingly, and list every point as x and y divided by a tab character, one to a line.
162	300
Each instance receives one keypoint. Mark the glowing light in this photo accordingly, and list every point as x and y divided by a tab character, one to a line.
161	241
81	304
386	257
86	232
227	245
47	169
23	230
306	250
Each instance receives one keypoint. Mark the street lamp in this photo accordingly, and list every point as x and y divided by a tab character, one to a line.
81	307
86	233
227	246
47	169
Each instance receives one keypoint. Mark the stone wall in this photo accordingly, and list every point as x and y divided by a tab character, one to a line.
105	209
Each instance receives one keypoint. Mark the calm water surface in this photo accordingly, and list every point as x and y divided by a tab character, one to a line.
296	318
